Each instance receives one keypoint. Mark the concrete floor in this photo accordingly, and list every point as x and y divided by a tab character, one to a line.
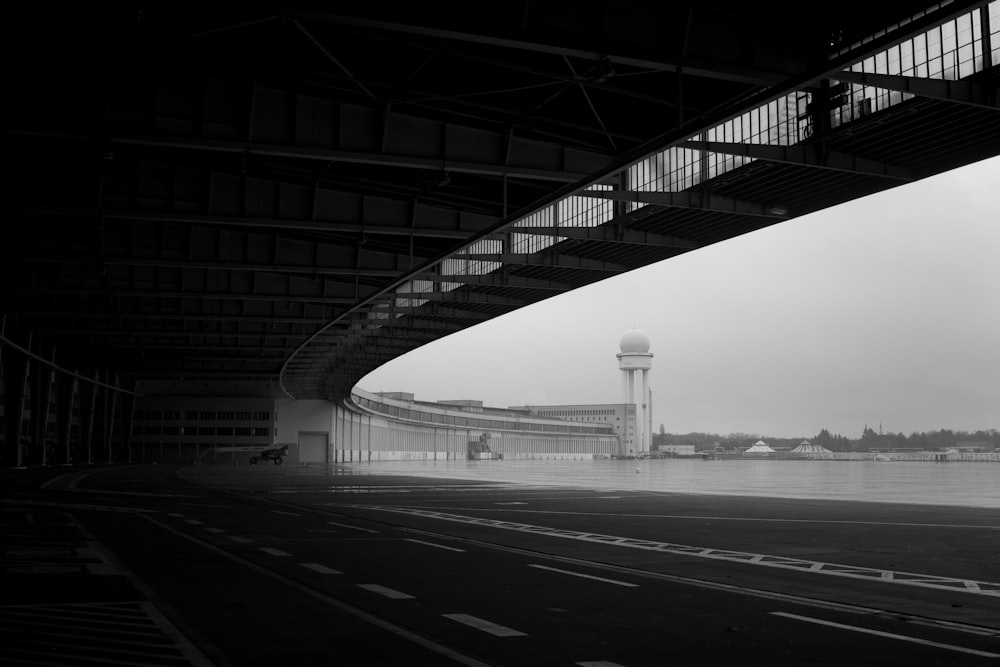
304	565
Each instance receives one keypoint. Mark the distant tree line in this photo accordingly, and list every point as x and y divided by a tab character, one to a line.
869	440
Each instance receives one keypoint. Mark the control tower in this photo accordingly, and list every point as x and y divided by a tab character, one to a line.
635	356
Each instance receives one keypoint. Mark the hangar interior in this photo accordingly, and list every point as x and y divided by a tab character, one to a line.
240	205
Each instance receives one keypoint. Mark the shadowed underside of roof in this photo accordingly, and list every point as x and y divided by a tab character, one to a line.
301	192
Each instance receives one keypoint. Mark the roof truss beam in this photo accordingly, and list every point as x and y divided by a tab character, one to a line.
511	169
496	279
973	93
702	201
611	234
807	155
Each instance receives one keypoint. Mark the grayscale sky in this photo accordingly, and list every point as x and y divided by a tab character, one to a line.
884	310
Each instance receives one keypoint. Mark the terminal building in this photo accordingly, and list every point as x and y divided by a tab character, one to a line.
386	426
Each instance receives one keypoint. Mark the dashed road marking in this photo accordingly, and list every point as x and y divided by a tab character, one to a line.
484	625
386	592
345	525
584	576
274	552
988	588
214	530
598	663
432	544
285	513
194	522
320	568
240	540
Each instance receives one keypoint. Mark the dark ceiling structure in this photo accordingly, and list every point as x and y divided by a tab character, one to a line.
300	192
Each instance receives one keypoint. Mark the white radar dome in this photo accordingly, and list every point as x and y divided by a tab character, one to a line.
634	341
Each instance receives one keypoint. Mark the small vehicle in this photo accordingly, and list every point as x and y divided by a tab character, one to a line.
270	455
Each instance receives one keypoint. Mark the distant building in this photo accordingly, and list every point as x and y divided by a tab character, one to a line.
759	447
972	447
620	416
806	447
677	450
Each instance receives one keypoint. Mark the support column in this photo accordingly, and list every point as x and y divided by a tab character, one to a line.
66	394
88	413
645	407
41	395
111	404
15	379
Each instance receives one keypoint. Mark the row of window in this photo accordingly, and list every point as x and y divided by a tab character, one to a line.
203	415
188	431
575	413
475	422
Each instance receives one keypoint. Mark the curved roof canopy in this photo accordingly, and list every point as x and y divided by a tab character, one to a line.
303	191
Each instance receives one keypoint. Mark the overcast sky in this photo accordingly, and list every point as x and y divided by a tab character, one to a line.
884	310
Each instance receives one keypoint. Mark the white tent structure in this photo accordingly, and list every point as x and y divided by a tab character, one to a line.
759	447
807	447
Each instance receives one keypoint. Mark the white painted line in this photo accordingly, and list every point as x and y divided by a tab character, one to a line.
214	530
585	576
322	569
879	633
431	544
176	515
746	558
274	552
360	614
241	540
344	525
194	522
285	513
387	592
485	626
515	502
599	663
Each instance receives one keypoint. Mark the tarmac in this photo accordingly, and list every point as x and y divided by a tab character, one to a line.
303	565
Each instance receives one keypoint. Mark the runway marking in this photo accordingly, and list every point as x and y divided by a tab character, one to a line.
322	569
988	588
399	631
484	625
432	544
709	517
344	525
890	635
386	592
274	552
585	576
